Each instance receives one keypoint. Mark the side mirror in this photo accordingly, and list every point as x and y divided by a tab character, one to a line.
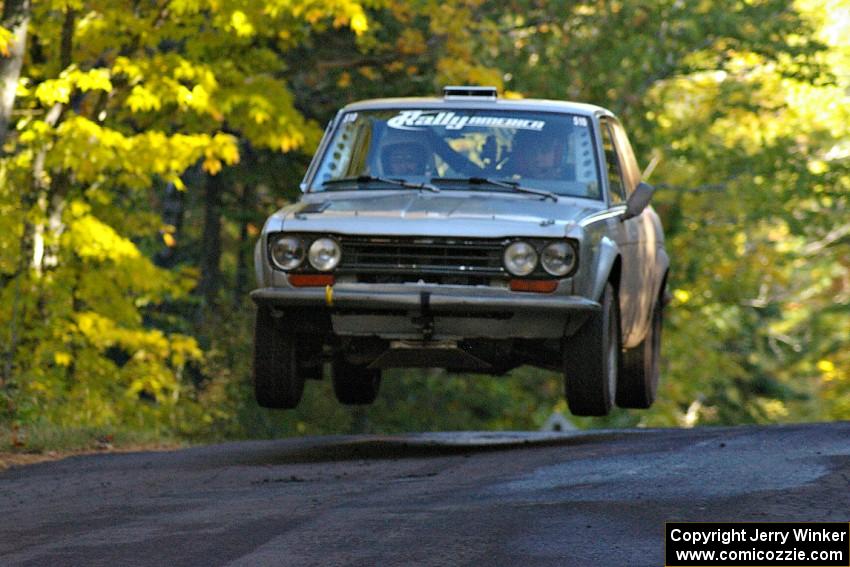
638	200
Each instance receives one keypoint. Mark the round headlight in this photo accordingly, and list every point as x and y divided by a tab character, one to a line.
324	254
287	252
520	258
558	258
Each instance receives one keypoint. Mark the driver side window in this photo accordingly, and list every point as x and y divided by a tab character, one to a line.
616	188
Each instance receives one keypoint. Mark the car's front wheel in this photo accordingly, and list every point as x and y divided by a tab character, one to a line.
591	360
278	384
355	384
639	370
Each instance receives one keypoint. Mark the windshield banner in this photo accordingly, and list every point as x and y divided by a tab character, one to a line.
418	119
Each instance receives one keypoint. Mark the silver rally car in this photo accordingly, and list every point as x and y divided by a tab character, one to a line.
470	233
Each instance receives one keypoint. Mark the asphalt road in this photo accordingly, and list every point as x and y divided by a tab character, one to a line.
443	499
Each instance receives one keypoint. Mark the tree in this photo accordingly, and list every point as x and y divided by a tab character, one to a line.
116	98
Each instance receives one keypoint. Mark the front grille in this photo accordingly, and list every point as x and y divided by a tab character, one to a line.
402	257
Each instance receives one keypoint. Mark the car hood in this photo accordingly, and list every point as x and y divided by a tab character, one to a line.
449	213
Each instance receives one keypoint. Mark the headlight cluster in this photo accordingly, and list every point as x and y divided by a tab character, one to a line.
288	252
522	258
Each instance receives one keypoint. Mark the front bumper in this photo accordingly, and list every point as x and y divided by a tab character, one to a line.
437	298
407	311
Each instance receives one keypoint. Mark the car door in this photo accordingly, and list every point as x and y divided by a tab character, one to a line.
621	183
643	244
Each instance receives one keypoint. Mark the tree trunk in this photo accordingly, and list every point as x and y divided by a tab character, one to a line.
211	240
243	252
51	198
173	207
66	47
16	17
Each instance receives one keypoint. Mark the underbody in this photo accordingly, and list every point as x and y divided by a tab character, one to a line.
461	328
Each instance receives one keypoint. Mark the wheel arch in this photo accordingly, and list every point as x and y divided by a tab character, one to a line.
662	289
663	267
616	273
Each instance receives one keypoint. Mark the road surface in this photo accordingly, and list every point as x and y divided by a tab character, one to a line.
529	499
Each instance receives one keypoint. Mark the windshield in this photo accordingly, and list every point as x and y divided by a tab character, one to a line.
537	150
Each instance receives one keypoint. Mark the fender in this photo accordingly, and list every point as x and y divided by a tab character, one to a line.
606	258
262	269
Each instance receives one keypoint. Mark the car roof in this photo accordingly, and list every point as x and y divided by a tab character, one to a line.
472	102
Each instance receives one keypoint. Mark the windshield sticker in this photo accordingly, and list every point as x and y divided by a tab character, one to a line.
418	119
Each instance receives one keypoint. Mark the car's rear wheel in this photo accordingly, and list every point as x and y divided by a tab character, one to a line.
591	360
640	368
355	384
278	384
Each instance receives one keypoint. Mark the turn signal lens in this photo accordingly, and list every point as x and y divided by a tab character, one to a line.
311	280
536	286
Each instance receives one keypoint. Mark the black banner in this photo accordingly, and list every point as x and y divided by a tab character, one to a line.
757	544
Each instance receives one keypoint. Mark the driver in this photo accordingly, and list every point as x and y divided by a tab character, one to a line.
404	158
538	155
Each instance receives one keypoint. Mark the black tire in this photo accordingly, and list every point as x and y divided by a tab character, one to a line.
591	360
640	368
277	382
354	384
